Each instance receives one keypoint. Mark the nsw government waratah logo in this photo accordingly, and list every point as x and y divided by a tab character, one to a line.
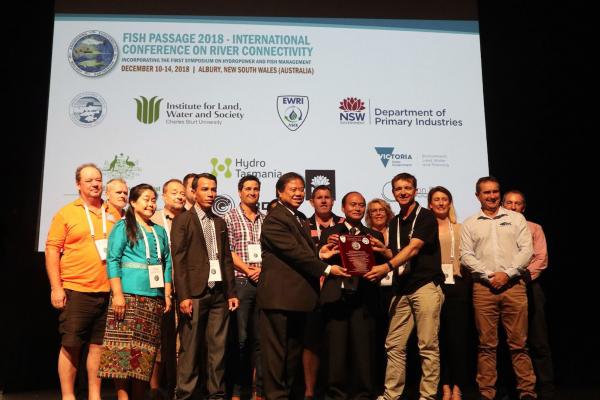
87	109
147	111
93	53
353	111
292	110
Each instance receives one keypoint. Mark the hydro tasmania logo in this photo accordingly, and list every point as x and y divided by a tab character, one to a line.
398	159
353	111
147	111
292	110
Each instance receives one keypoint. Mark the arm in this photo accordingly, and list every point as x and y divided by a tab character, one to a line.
278	235
229	277
252	272
467	254
117	240
54	244
405	254
524	243
539	262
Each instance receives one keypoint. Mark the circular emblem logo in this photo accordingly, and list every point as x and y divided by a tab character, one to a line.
223	203
93	53
87	109
356	245
343	239
365	240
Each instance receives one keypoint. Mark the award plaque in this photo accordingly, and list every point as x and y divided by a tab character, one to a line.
356	253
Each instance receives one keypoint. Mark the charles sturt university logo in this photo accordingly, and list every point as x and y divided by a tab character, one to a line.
353	111
292	110
147	111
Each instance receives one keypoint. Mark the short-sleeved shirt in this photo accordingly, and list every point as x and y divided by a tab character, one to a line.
242	232
81	268
426	266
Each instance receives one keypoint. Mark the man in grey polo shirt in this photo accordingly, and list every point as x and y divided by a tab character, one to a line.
496	246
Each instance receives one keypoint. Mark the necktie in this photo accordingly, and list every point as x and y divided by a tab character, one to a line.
354	231
208	238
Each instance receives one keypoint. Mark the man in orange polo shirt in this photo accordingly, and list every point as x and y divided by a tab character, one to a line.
76	267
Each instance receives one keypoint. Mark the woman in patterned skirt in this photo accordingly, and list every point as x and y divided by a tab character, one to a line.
139	269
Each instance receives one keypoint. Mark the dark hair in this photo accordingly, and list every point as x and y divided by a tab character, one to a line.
164	187
246	179
272	205
131	224
285	178
81	167
348	194
186	178
515	191
321	187
404	176
485	179
204	175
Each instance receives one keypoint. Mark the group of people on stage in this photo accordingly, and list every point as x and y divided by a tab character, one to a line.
158	296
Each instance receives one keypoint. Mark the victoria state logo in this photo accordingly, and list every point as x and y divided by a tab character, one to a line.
87	109
292	111
147	111
353	111
93	53
398	159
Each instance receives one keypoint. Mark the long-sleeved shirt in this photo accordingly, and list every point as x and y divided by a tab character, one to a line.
130	264
539	260
493	244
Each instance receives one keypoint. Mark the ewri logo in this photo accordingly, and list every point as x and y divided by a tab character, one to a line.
353	111
292	111
147	111
398	159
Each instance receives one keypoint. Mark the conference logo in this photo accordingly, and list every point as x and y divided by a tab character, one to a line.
386	154
147	111
222	205
121	166
353	111
87	109
319	177
93	53
292	111
387	192
223	168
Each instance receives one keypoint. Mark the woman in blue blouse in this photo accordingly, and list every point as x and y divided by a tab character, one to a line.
139	270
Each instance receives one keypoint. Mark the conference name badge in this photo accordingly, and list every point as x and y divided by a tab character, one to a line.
102	247
214	275
448	270
254	253
155	274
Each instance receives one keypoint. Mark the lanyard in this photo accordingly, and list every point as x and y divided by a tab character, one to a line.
166	226
158	253
452	241
319	225
89	220
245	227
411	229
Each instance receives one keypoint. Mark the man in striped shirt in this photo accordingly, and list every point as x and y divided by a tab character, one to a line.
244	225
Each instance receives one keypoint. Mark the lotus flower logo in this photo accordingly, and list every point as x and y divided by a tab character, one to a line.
319	180
352	104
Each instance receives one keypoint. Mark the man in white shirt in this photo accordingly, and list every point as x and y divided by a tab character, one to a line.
496	246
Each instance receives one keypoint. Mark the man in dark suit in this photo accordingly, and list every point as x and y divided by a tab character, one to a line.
350	306
206	290
288	287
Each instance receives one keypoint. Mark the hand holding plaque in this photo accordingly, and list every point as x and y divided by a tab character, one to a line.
356	252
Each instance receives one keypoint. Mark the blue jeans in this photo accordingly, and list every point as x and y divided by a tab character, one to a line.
249	349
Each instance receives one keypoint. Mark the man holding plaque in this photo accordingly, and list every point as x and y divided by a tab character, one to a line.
350	306
288	287
418	299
